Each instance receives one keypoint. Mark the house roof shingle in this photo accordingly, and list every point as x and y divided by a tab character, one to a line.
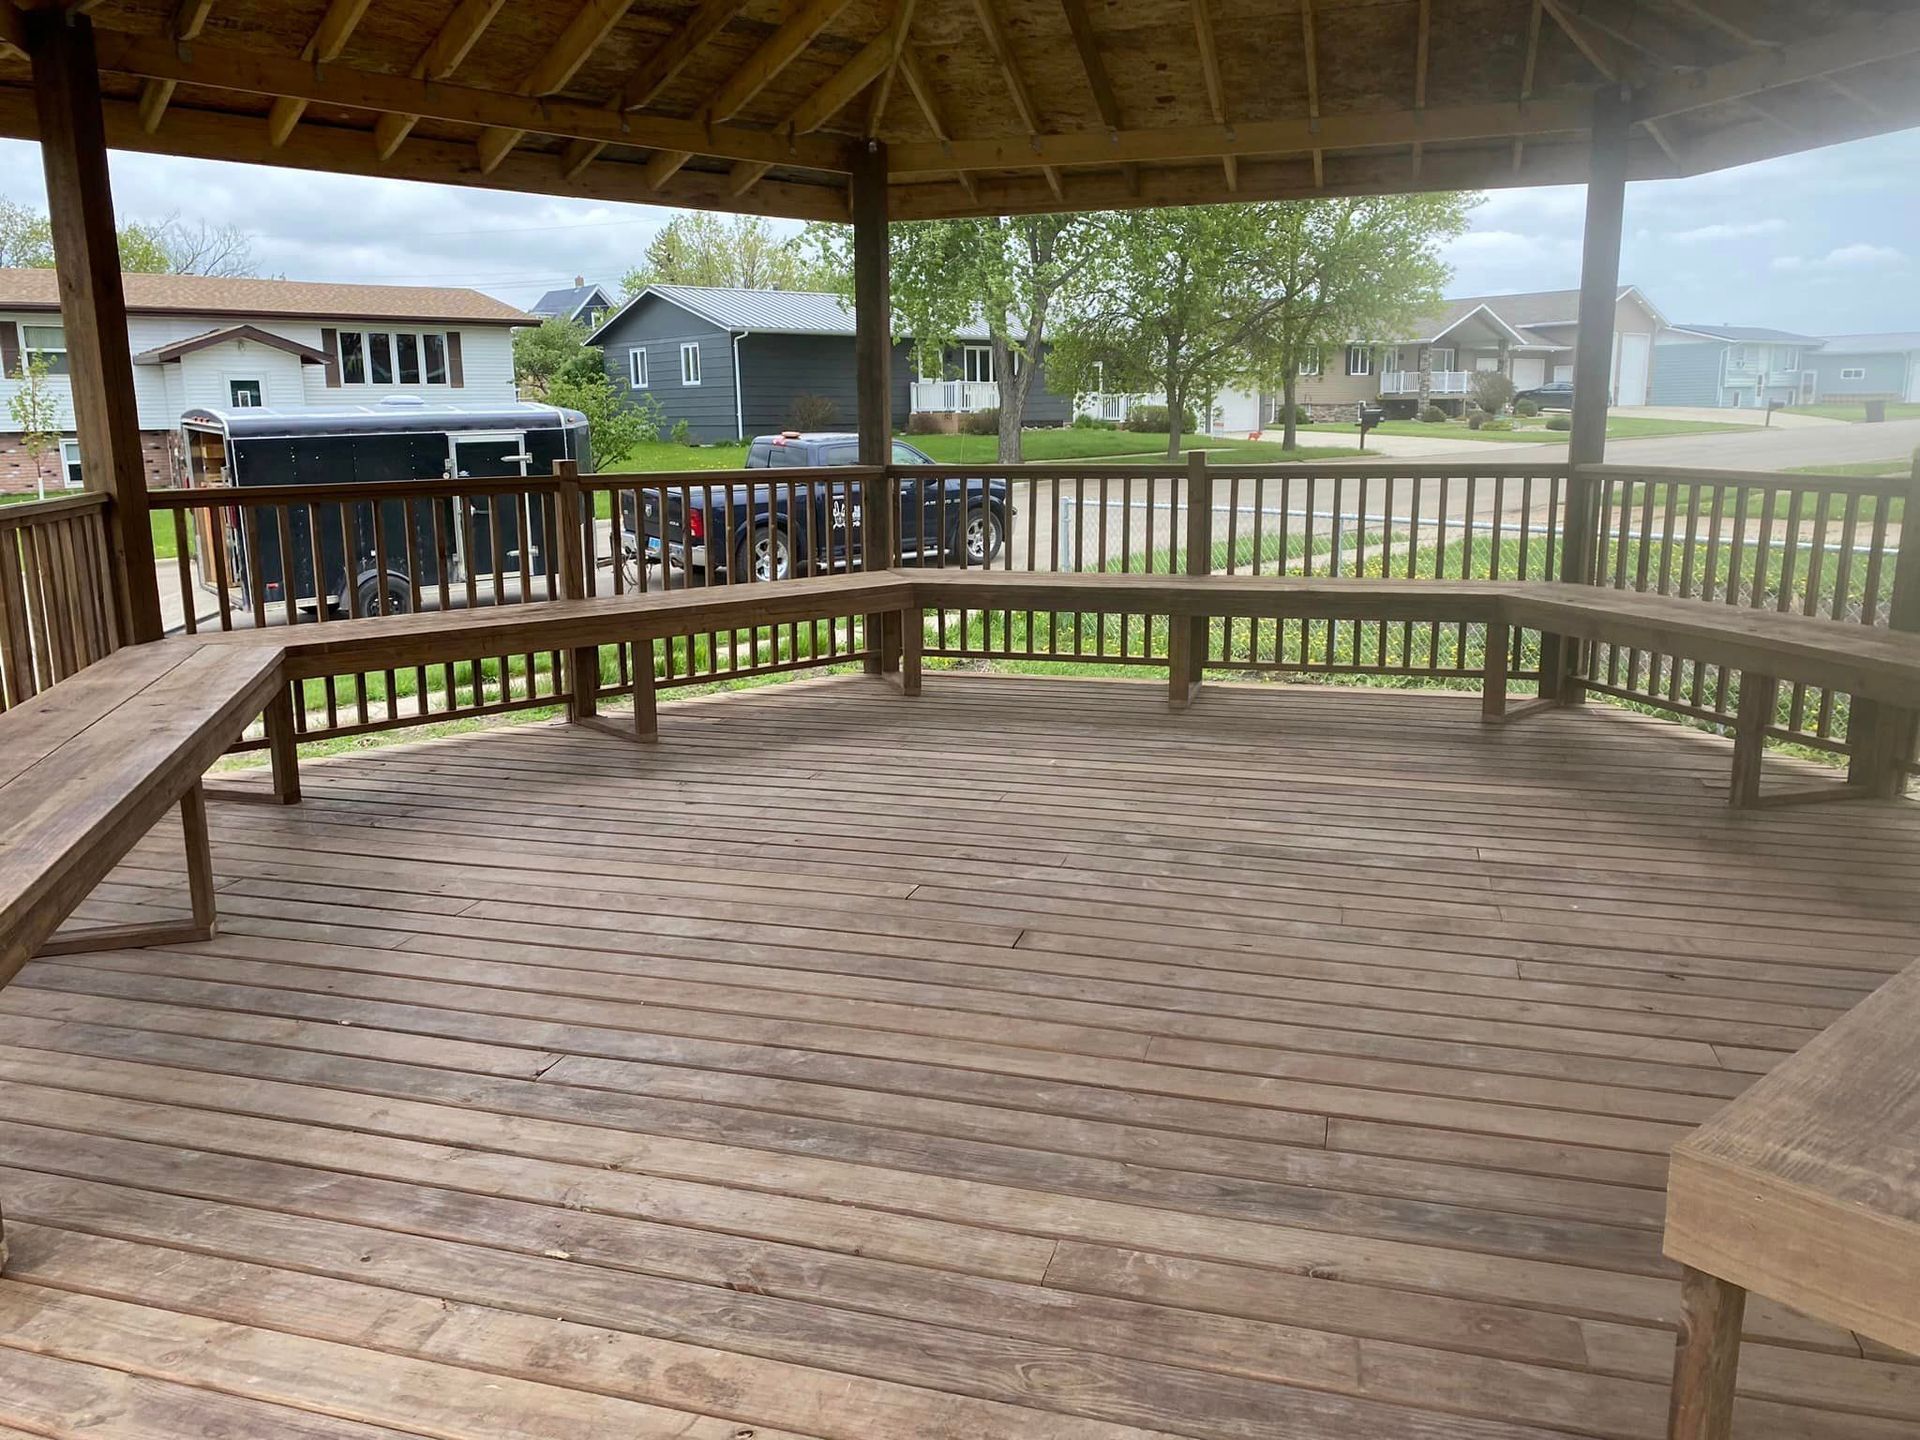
566	302
1898	342
1739	333
303	299
777	312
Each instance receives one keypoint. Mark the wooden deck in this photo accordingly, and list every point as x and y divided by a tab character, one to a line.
1017	1063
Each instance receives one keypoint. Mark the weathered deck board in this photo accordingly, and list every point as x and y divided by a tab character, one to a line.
848	1067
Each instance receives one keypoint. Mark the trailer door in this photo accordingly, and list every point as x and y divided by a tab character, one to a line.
490	538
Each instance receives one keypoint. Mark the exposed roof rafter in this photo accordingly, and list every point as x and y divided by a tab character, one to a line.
464	27
329	39
591	24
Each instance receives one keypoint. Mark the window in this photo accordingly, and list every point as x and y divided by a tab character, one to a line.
1853	372
70	464
1310	360
47	342
907	455
977	363
841	455
245	394
1443	357
637	369
690	363
1359	360
387	357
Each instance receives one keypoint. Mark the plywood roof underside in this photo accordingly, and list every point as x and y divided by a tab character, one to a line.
986	106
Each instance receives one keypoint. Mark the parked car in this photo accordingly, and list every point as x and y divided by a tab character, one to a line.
786	527
1554	395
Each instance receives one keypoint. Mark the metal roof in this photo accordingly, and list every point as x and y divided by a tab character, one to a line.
1898	342
1740	333
767	312
386	418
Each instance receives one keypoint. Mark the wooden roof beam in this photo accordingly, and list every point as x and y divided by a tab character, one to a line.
875	57
1209	47
921	85
1816	57
1534	19
902	23
189	19
1094	66
1737	29
329	39
590	25
1420	50
1310	47
253	72
1567	114
1002	50
660	69
464	27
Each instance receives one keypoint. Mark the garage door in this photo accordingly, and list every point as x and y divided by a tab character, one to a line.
1913	382
1529	371
1635	353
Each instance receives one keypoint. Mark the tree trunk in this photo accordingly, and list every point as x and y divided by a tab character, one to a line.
1289	387
1176	409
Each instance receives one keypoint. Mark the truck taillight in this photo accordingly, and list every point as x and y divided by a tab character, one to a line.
696	524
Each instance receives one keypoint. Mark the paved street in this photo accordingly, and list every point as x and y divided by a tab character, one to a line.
1784	448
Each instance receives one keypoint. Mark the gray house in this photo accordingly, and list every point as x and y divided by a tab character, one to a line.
1868	367
586	304
1748	367
735	363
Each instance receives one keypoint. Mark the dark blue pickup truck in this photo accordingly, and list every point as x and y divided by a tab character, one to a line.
788	526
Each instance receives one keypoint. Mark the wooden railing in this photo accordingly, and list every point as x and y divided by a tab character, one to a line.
1821	545
58	611
315	554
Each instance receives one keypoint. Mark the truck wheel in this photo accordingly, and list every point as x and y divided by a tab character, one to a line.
979	541
765	555
399	596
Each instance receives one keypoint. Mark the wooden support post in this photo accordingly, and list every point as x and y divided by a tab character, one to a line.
646	700
1561	668
873	384
1883	738
1493	689
1706	1358
199	848
93	310
575	545
283	747
913	638
1187	660
1758	694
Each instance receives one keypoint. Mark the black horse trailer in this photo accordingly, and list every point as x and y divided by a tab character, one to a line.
335	549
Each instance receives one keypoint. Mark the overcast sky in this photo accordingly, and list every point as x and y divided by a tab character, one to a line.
1825	243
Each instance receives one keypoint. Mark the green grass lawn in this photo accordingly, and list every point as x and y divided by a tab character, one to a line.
1064	443
1857	413
1533	430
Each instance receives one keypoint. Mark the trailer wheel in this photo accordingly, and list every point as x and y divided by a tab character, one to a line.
399	595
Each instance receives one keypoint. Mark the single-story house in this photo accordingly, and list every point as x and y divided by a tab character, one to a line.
579	302
1527	337
735	363
200	340
1749	367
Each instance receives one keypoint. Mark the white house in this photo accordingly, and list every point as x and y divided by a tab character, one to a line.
199	340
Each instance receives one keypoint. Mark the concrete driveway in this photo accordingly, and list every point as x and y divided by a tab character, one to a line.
1781	448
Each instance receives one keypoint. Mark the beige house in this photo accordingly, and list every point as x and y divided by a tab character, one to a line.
1527	337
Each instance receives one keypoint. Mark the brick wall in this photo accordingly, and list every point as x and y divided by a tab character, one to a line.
17	471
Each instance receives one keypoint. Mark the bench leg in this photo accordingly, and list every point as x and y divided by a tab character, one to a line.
134	935
583	682
883	635
199	847
1706	1358
1882	738
283	747
646	699
1186	652
1757	697
1493	689
913	639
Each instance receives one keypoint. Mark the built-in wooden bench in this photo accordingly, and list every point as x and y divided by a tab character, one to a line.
1805	1190
1879	669
88	766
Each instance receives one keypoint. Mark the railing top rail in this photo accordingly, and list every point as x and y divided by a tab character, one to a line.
1884	485
32	512
629	479
1387	466
206	496
1064	470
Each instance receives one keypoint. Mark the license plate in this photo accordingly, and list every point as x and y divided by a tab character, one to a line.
653	544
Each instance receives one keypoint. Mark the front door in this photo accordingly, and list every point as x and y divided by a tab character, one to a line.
490	538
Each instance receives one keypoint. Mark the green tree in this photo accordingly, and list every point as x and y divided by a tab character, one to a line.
554	350
35	409
26	237
1012	273
552	362
698	247
1334	271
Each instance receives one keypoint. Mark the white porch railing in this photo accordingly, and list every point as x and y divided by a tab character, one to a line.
948	397
1443	382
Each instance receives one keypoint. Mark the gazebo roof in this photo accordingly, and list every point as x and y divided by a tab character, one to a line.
992	106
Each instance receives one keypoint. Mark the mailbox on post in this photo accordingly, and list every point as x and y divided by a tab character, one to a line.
1370	416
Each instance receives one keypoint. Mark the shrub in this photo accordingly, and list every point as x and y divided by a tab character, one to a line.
921	423
1476	419
682	432
1559	422
812	412
1300	416
1525	407
981	422
1433	415
1492	391
1495	423
1152	420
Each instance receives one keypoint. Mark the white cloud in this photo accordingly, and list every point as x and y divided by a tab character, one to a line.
1722	230
1858	256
